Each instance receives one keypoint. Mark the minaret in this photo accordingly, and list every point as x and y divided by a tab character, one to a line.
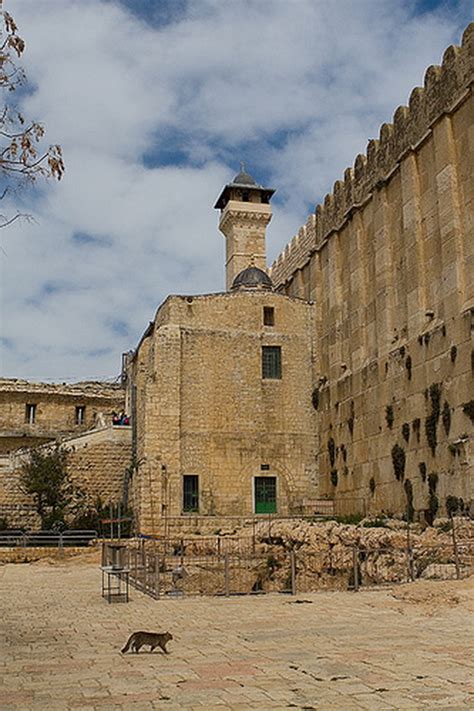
245	214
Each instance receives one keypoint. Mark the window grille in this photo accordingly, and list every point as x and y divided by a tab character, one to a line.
265	494
80	414
271	362
30	414
190	493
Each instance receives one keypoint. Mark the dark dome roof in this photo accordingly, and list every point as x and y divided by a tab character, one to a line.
252	278
244	178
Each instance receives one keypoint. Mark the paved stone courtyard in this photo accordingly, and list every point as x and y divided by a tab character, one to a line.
406	647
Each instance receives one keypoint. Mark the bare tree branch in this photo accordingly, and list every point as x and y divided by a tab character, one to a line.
20	155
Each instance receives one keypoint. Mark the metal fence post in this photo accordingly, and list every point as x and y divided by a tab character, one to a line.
293	571
157	576
226	575
455	549
410	575
355	568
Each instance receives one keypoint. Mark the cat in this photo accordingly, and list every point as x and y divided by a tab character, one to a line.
154	639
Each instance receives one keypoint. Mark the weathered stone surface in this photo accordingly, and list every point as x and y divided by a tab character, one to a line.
388	259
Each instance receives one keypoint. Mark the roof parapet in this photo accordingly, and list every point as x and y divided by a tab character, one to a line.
444	87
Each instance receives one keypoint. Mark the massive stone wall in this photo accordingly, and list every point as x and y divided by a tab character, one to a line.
55	413
388	261
97	462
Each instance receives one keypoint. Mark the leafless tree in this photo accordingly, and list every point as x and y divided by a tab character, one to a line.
22	158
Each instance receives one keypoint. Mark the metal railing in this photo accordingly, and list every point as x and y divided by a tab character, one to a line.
50	539
231	565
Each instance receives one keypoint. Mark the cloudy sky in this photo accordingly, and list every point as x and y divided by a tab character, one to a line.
155	102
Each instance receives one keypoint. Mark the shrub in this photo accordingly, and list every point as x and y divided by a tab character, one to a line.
272	562
468	409
332	451
389	416
378	522
398	461
372	485
422	468
452	505
435	397
430	431
446	417
315	398
406	431
350	519
432	482
433	506
416	427
351	418
408	366
409	494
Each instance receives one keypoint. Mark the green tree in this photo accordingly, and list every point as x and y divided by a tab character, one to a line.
44	476
22	159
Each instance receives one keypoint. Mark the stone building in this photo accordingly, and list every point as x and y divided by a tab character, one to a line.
35	413
374	407
80	416
219	388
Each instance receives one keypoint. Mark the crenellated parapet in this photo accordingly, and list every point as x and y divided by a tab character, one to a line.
445	87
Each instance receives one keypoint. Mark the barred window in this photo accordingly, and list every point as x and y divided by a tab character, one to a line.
80	414
271	362
190	493
30	414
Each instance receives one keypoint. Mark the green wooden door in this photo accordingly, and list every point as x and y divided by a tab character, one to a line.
265	494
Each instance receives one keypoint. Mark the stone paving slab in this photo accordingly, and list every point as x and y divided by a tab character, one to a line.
60	647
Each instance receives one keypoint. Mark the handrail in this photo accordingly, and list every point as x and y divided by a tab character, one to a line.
59	539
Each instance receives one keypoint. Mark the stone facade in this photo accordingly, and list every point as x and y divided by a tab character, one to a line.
97	463
203	408
389	261
35	413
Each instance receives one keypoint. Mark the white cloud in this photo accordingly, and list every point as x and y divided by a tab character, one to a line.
152	121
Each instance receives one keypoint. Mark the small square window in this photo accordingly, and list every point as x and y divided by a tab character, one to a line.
30	414
265	467
271	362
80	414
268	316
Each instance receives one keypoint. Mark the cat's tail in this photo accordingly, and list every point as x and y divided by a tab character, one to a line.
127	646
